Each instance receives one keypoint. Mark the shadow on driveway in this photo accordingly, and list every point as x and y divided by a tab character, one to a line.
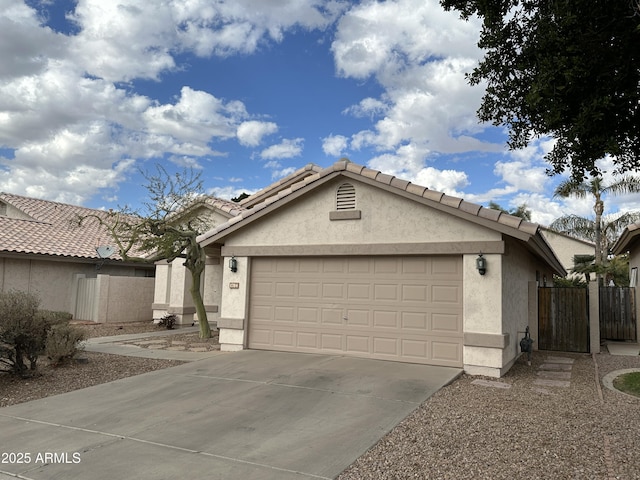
245	415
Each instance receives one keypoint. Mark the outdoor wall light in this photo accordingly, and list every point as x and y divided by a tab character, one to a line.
233	264
481	264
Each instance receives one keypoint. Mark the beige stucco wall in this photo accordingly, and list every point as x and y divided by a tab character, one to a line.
386	218
565	248
52	281
124	299
235	305
634	262
172	295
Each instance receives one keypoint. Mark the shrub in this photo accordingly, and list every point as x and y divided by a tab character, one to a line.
63	343
23	331
26	333
168	321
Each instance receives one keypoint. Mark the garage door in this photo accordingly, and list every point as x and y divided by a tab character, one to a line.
405	309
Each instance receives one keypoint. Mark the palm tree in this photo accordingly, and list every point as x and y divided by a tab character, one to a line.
602	230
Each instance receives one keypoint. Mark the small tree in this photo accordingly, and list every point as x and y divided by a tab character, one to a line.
601	230
166	230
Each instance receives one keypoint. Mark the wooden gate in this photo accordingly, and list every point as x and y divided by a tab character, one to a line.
563	319
618	313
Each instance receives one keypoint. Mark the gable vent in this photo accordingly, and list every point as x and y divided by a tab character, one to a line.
346	197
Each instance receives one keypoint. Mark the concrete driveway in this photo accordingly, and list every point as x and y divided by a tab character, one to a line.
244	415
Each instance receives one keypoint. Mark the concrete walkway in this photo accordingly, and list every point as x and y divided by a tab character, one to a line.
245	415
623	348
117	345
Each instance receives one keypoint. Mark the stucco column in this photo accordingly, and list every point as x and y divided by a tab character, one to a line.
232	322
212	288
161	289
484	341
180	302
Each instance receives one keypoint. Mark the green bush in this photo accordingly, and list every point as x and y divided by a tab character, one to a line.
63	343
23	332
26	333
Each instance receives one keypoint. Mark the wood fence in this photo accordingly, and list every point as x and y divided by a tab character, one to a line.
563	319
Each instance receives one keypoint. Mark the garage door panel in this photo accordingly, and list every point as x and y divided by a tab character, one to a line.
446	351
334	265
357	343
309	290
449	323
384	346
449	266
284	338
359	291
307	340
308	315
329	341
284	314
333	290
262	313
446	294
416	349
415	321
393	308
332	317
262	289
388	265
358	266
385	319
310	265
414	293
359	318
261	337
385	293
415	265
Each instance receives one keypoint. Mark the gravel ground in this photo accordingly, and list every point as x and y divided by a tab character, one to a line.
100	367
468	431
464	431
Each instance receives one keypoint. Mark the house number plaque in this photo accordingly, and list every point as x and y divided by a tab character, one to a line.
234	285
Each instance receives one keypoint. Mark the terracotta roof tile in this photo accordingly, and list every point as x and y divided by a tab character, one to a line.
52	230
415	189
451	201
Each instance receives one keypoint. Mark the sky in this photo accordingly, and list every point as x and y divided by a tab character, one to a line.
94	92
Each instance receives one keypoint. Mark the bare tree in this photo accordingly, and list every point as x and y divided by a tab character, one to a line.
165	230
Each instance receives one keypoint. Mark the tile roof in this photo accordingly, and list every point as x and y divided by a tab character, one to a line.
282	184
50	228
494	219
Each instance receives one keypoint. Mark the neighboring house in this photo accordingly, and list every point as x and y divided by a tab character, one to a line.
352	261
629	242
43	250
173	281
566	247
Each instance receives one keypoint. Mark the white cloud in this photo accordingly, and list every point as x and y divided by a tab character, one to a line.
128	39
252	132
334	145
196	117
377	38
288	148
25	45
408	165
